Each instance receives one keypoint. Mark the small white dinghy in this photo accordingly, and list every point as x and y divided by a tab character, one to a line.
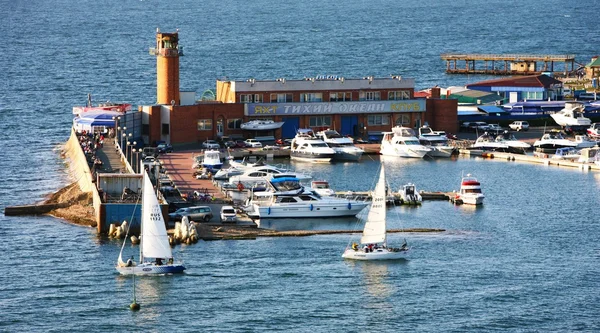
373	243
155	252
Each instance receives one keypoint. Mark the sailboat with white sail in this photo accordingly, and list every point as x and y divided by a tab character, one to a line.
155	252
373	243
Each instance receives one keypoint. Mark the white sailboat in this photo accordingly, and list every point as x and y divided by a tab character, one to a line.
373	243
155	252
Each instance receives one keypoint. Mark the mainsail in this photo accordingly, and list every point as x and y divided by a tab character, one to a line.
155	241
375	228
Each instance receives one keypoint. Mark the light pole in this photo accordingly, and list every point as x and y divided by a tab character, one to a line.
137	160
131	154
123	135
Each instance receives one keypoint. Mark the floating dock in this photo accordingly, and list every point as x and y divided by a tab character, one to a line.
508	64
545	159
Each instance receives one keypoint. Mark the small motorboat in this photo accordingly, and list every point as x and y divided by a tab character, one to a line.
322	188
470	191
409	195
261	125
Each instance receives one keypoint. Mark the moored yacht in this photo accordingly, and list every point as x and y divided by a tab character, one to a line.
287	198
553	140
266	172
402	142
344	147
572	116
470	191
261	125
305	147
514	145
488	142
436	140
212	160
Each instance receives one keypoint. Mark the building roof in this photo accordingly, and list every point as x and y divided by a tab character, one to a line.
536	81
594	63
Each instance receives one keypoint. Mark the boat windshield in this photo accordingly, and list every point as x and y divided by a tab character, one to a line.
319	145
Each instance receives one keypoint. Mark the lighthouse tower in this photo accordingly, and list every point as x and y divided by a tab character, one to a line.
167	54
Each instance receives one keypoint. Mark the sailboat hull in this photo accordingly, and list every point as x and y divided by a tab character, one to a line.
377	254
151	269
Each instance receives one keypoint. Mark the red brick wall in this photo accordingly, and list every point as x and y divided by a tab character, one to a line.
184	121
442	115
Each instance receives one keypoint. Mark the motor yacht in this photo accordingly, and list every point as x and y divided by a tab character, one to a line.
572	116
287	198
306	147
211	159
402	142
436	140
514	146
344	147
260	173
553	140
470	191
488	142
261	125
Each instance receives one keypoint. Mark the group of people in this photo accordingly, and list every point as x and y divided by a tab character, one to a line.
90	143
368	247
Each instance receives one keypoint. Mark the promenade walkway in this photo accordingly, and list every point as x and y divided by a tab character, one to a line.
110	157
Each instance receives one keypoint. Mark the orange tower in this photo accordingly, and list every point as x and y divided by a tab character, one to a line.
167	54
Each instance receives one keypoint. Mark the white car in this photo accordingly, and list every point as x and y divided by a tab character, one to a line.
210	144
228	214
253	143
519	125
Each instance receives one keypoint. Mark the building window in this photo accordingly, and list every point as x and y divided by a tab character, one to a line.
258	98
340	96
398	95
281	98
249	98
205	124
403	120
311	97
245	98
165	129
145	129
234	123
319	121
378	119
370	96
538	95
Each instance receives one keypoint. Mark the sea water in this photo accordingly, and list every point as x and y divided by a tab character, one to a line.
525	261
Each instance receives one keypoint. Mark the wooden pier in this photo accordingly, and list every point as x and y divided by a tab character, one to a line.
509	64
545	160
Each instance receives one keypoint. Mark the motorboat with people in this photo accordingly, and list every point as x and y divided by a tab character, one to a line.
487	142
470	191
409	195
514	146
402	142
262	172
261	125
436	140
322	188
572	116
155	252
286	197
306	147
373	243
344	147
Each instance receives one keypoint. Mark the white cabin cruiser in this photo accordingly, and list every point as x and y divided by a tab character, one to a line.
287	198
436	140
322	187
344	147
212	160
261	125
553	140
409	195
402	142
514	145
470	191
567	154
305	147
572	116
488	142
266	172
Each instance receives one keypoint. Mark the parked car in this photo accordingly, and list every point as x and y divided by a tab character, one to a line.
228	214
164	148
587	96
253	143
495	128
210	144
474	126
519	125
195	213
230	144
149	152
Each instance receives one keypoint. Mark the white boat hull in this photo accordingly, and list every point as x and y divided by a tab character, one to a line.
311	159
472	199
148	268
310	210
406	152
261	127
441	151
377	254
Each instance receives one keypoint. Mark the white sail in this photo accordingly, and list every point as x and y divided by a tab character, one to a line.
375	227
155	241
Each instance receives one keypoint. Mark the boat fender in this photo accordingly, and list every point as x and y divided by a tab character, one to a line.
269	211
311	207
240	186
349	205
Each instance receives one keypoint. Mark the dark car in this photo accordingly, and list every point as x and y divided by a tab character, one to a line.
164	148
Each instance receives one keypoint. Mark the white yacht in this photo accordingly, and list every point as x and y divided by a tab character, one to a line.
322	188
402	142
470	191
436	140
514	145
553	140
344	147
305	147
266	172
212	160
287	198
572	116
261	125
488	142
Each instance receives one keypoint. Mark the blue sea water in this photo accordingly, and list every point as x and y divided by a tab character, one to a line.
525	262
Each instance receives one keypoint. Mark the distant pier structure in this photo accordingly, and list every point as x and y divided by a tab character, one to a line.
509	64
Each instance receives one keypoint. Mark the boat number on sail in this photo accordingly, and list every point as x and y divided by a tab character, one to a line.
156	214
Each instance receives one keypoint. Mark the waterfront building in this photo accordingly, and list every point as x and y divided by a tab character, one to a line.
530	88
359	107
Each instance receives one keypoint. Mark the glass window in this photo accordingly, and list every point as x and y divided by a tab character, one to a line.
398	95
311	97
234	123
340	96
378	119
403	120
245	98
281	98
319	121
165	129
373	96
205	124
538	95
258	98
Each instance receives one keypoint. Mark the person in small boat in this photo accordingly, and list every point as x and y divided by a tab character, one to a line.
404	246
129	262
159	261
354	246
